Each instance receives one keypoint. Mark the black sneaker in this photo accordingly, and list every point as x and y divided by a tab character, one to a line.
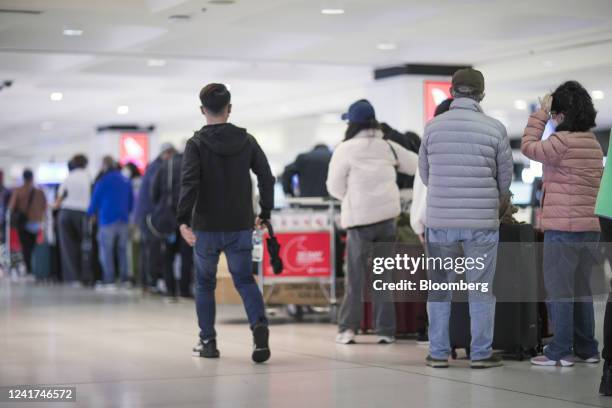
493	361
605	387
206	349
261	350
436	362
422	338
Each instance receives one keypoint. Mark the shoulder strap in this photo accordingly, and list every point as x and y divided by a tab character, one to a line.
170	182
396	165
30	199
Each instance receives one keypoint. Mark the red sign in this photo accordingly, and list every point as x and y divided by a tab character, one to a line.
304	255
134	148
435	92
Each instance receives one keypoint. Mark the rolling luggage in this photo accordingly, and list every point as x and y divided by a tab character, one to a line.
410	317
517	324
42	261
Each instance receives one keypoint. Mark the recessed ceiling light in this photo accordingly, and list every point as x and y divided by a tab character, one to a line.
153	62
123	110
56	96
222	1
520	104
548	63
72	32
180	17
332	11
387	46
597	94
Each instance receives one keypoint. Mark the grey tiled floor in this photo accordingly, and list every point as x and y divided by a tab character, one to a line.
126	350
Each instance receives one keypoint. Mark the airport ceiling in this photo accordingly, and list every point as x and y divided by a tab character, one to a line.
283	58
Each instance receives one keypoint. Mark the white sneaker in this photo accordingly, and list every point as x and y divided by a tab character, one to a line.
545	361
385	340
346	337
591	360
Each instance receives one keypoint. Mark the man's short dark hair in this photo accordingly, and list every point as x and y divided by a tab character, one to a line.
28	175
79	161
215	97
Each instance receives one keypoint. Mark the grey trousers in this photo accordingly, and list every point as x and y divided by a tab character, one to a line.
359	245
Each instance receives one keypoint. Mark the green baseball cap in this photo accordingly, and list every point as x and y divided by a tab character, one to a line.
469	78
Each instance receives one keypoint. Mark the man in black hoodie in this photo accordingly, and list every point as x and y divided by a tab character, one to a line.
215	213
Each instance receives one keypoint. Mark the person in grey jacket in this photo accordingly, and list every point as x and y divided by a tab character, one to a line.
466	163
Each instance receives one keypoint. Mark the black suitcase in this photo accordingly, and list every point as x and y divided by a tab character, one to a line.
517	327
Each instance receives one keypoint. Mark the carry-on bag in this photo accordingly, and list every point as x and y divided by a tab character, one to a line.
517	324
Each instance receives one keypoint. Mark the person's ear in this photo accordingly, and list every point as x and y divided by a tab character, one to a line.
203	110
559	118
229	108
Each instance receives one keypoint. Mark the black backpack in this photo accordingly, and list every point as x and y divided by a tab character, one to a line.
162	221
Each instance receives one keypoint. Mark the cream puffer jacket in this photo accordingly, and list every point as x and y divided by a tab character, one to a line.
362	175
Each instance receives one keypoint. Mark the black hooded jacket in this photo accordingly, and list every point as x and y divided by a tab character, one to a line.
216	187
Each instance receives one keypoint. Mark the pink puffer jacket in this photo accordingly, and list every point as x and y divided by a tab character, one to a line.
573	165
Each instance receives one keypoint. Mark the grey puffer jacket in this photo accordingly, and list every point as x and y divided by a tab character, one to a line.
465	160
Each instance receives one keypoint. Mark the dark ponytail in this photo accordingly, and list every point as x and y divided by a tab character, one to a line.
354	128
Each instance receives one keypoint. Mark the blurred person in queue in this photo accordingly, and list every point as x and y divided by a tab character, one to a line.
28	205
362	174
72	201
111	203
465	161
165	191
150	245
311	170
572	168
215	214
5	196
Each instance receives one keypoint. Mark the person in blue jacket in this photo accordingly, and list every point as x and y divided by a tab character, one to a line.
112	202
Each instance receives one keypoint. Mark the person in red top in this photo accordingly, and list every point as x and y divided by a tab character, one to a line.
28	206
572	164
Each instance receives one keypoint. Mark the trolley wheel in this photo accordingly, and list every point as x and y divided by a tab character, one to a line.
519	354
296	311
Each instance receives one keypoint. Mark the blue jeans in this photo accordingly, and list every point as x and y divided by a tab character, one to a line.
470	243
237	247
110	235
568	259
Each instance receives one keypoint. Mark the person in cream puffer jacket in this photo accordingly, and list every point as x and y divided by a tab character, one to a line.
362	174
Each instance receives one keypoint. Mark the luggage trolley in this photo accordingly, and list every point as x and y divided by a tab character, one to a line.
306	232
12	258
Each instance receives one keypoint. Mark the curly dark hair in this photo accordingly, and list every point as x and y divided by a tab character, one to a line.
571	99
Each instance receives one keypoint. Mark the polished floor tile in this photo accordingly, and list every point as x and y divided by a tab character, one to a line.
128	350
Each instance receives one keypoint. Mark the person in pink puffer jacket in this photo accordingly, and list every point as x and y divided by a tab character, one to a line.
573	165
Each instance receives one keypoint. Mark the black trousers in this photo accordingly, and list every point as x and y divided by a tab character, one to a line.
70	228
151	257
28	242
606	238
182	248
